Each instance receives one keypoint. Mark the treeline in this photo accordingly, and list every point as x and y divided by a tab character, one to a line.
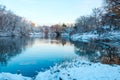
13	25
102	19
107	16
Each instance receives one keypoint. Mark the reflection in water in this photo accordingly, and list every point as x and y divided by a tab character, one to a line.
111	55
10	47
98	52
60	42
26	56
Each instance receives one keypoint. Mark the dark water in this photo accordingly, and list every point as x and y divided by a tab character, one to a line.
29	56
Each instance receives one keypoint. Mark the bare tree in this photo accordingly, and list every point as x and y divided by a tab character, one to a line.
112	16
13	25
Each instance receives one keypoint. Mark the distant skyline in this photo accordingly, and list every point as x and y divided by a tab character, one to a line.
47	12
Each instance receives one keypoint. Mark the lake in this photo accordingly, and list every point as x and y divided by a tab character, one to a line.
31	55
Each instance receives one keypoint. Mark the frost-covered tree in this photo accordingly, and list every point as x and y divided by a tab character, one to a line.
13	25
91	22
112	16
97	15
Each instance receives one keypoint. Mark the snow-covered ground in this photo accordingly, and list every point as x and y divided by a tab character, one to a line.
9	76
86	37
74	70
113	36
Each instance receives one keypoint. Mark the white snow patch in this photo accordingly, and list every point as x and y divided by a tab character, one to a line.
9	76
78	70
35	34
111	35
65	35
85	37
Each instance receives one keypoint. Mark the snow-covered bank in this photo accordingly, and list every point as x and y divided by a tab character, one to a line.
9	76
78	70
110	36
75	70
86	37
36	35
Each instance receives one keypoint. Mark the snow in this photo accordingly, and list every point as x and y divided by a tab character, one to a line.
106	27
112	36
9	76
74	70
81	70
85	37
65	35
36	34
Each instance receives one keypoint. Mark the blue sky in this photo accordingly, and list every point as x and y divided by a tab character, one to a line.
51	11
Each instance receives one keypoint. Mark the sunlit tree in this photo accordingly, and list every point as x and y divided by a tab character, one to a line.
112	16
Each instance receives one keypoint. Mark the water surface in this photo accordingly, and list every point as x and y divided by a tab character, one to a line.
31	55
28	56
